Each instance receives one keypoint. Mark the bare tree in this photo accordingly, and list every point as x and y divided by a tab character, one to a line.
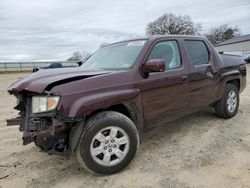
222	33
171	24
79	56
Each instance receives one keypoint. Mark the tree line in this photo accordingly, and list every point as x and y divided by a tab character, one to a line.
169	24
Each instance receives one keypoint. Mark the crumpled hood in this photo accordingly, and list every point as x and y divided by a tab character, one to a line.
37	82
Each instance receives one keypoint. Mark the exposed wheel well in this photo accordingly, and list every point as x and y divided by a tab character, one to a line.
235	82
126	110
121	108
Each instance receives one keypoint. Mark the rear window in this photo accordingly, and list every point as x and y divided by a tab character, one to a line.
197	52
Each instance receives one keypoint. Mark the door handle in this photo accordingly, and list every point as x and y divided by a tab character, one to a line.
184	77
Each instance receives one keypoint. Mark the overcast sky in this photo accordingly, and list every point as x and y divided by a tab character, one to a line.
54	29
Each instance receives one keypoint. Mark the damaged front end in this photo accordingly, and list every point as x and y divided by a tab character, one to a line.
51	129
47	130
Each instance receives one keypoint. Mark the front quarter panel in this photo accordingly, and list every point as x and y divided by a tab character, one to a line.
82	97
91	101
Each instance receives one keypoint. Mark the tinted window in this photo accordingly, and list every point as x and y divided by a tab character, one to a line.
197	51
169	51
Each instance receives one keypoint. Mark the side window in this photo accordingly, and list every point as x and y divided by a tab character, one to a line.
197	51
169	51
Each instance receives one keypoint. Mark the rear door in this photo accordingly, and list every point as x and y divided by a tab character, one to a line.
201	79
165	94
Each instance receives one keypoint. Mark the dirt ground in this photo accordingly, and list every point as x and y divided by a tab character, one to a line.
199	151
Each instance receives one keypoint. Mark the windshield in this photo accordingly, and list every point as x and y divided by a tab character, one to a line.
116	56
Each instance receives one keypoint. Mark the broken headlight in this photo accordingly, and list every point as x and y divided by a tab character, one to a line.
44	103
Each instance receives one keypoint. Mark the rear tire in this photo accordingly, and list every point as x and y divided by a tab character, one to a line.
108	143
227	106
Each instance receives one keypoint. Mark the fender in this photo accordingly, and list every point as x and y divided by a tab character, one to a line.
77	129
87	104
230	73
226	77
79	108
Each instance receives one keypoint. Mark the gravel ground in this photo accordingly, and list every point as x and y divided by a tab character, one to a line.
200	150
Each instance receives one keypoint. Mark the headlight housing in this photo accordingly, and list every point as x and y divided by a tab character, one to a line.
44	103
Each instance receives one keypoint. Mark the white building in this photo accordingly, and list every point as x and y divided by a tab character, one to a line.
236	46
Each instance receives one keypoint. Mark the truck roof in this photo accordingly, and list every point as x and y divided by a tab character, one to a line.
156	37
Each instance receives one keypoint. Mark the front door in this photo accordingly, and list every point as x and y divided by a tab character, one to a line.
165	94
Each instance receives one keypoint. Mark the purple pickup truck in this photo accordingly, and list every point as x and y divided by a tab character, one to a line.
100	109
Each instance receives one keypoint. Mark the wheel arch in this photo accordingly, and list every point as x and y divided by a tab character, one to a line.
235	82
130	110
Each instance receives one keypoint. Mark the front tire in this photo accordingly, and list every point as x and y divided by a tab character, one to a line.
108	143
227	106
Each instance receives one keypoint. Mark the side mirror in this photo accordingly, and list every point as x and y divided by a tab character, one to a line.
154	65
